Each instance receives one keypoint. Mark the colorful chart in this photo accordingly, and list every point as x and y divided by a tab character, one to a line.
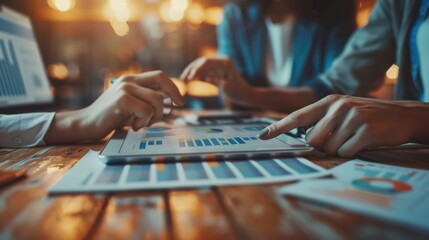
247	169
389	192
91	175
382	185
381	180
210	130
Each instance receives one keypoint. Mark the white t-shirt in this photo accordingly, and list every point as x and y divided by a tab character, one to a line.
279	52
24	130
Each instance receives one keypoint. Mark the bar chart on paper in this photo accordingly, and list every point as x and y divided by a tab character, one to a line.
22	75
91	175
155	140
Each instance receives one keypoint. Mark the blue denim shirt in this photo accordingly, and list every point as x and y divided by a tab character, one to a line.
414	53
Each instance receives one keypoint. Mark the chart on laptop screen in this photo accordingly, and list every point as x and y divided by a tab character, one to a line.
22	75
225	138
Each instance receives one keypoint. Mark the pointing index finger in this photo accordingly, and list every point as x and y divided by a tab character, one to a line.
304	116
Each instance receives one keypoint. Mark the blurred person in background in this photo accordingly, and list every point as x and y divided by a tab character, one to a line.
275	44
397	32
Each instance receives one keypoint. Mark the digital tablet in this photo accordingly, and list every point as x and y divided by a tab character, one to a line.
188	143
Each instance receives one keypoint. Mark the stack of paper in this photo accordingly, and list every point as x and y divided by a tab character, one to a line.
91	175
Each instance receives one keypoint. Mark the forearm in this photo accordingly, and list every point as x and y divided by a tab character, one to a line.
281	99
418	114
67	127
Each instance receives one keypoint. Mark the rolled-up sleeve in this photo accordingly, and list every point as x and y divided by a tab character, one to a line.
24	130
368	54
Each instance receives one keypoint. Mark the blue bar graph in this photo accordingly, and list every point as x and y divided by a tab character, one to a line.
273	168
298	166
110	174
143	145
215	141
239	140
223	141
166	172
194	171
207	142
12	83
139	173
221	170
247	169
199	143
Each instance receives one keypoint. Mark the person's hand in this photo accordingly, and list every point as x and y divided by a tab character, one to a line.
345	125
221	72
134	99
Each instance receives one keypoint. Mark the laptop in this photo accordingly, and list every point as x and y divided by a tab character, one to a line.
23	80
199	142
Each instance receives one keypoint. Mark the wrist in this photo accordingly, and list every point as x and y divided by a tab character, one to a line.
418	118
67	127
254	96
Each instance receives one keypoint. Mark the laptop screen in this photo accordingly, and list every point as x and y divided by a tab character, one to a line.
23	78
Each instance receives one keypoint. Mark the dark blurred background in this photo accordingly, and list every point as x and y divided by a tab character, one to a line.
86	43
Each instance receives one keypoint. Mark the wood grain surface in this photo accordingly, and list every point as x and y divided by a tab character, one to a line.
236	212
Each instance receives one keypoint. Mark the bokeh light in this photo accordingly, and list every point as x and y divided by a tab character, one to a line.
58	71
61	5
195	14
198	88
213	15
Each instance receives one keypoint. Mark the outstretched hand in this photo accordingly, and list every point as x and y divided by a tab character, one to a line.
221	72
344	125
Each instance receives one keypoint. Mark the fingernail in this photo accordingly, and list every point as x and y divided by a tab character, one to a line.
263	133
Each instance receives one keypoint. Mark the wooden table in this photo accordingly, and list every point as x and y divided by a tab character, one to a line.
245	212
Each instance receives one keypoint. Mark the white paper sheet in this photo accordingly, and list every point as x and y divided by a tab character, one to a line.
394	193
91	175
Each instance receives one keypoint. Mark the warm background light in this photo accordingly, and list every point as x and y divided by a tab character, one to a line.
119	27
87	42
213	15
183	88
58	71
195	14
62	5
179	5
202	89
173	13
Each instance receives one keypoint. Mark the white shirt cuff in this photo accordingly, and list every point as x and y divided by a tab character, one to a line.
24	130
